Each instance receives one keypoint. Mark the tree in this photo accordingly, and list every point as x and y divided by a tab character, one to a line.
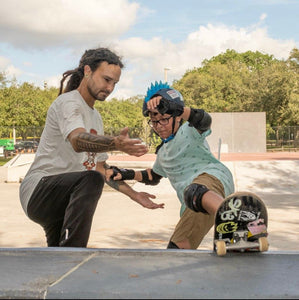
217	87
118	114
250	81
293	60
253	60
3	80
228	82
24	106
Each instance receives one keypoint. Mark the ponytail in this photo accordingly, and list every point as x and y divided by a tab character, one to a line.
73	82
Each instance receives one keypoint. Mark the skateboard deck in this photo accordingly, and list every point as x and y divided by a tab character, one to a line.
241	224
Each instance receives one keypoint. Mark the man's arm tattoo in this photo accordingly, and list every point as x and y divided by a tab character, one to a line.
106	166
114	184
94	143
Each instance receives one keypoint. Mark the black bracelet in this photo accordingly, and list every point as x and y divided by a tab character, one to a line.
126	174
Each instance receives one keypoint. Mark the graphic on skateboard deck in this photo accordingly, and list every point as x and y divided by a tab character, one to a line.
241	224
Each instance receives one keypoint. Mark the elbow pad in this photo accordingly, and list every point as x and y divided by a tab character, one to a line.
145	179
199	119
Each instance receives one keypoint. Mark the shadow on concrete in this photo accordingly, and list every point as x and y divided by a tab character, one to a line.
135	239
274	176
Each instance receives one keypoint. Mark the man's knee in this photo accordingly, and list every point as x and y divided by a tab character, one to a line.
94	179
90	186
193	194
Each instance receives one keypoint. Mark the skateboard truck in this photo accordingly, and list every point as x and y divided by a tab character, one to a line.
240	242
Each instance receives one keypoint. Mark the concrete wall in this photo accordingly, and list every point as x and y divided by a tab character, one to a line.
239	132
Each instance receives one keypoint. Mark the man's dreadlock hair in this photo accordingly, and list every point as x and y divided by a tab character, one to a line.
93	58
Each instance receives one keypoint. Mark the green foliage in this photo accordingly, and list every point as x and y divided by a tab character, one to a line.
250	81
24	106
3	80
253	60
4	160
228	82
293	60
117	114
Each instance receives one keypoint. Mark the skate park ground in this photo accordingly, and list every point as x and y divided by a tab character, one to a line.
126	256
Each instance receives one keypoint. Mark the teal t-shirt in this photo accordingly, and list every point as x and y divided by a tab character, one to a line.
185	157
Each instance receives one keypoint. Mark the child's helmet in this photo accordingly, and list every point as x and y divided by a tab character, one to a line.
164	90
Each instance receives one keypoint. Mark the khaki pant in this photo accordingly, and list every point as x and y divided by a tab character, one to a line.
192	225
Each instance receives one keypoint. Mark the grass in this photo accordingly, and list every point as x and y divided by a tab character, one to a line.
3	161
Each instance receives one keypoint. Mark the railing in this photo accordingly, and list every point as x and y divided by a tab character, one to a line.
283	138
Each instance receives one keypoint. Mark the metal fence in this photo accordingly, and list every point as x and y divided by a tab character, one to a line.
283	138
280	138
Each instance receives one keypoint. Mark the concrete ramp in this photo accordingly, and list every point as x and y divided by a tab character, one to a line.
16	169
61	273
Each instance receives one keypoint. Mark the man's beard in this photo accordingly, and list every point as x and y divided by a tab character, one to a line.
96	95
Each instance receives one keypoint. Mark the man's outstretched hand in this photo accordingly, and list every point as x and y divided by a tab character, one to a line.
130	146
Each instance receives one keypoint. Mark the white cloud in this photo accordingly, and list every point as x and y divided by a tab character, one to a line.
40	23
146	59
53	81
263	17
4	62
8	69
219	38
11	71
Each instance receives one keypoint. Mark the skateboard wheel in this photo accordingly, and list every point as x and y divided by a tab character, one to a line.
220	248
263	244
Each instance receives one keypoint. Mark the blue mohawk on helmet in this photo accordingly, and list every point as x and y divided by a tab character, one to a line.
154	89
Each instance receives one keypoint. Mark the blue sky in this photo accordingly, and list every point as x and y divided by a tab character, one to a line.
42	39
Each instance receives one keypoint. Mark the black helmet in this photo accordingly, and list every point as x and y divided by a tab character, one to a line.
163	90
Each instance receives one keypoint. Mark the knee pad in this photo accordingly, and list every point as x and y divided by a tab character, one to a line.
172	245
193	197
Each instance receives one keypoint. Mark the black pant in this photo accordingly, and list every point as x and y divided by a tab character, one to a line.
64	206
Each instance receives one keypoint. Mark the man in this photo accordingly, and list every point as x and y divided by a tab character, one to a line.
200	180
61	189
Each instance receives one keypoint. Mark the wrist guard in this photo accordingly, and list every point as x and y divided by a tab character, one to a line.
126	174
199	119
170	107
145	178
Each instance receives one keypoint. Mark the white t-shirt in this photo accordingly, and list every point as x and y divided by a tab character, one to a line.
55	154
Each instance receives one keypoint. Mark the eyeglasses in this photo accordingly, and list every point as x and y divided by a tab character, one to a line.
162	122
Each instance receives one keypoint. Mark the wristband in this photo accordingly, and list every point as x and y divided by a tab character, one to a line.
170	107
126	174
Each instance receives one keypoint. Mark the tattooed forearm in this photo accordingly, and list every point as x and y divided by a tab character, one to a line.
94	143
115	184
106	166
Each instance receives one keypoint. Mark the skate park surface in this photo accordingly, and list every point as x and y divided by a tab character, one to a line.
127	257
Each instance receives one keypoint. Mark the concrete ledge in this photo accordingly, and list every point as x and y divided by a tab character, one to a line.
130	273
16	169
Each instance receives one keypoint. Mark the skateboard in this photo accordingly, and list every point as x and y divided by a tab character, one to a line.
241	224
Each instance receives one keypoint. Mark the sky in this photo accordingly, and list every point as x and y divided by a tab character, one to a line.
157	39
